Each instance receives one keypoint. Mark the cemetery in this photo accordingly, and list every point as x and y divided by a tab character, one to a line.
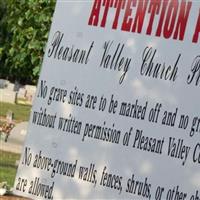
14	94
21	50
100	99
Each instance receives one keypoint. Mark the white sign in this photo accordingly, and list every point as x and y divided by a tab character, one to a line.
117	107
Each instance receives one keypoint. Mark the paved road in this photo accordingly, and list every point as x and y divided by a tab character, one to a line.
16	139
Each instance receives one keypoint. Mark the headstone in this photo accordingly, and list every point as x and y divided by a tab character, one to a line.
116	113
7	93
3	83
21	93
10	86
30	92
7	96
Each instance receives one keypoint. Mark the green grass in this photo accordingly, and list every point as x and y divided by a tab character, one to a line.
8	168
21	112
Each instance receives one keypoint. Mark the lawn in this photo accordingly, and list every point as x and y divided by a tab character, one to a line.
21	112
8	160
8	167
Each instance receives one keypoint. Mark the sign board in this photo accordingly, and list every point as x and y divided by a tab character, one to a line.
117	108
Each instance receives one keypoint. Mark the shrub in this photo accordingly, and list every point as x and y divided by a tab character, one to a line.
27	23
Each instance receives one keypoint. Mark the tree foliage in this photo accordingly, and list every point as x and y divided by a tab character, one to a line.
2	36
27	23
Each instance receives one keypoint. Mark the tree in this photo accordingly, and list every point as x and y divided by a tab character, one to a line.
3	36
27	25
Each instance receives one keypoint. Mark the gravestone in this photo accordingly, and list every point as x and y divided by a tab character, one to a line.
3	83
7	93
8	96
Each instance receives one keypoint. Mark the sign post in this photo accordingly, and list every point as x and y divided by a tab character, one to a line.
117	107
